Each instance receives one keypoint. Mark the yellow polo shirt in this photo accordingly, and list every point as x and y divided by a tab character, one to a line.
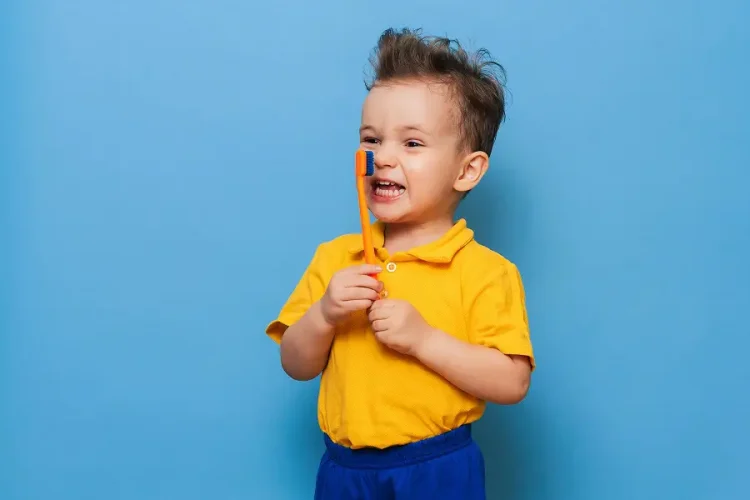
371	396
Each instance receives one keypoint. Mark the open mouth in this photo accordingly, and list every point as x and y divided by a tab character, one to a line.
387	189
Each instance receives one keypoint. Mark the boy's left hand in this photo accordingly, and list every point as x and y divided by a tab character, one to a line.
398	325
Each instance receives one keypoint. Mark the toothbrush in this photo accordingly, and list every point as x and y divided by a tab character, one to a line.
364	162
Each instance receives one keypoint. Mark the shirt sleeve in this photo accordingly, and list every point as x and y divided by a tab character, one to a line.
497	313
309	290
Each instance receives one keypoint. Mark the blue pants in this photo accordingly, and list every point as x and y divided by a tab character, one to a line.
445	467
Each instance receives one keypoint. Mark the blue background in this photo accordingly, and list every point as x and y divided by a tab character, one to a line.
168	168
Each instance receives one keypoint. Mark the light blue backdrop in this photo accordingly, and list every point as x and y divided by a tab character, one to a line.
168	168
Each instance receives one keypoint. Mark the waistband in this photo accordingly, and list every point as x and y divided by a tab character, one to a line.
396	456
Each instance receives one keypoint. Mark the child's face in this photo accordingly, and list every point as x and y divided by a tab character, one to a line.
412	128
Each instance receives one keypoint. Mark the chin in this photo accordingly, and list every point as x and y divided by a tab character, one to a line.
390	214
388	210
389	218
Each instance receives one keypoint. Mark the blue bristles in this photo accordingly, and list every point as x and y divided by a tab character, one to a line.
370	163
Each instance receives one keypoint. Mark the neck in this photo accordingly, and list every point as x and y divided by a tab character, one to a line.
405	236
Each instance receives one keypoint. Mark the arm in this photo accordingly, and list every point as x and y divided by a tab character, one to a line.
497	324
305	345
484	372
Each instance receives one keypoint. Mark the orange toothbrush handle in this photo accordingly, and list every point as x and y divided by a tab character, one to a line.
364	217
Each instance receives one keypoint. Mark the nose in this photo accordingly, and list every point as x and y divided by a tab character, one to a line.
385	157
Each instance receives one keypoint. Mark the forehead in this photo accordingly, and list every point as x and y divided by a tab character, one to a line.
424	104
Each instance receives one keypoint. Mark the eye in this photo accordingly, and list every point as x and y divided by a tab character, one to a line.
369	140
413	144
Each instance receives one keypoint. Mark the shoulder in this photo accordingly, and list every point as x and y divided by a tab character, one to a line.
342	244
484	271
490	282
478	261
336	251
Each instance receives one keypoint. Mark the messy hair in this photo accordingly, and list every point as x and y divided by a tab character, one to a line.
478	90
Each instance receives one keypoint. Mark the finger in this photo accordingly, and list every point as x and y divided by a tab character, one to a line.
359	293
364	281
358	305
377	313
384	338
384	303
365	269
379	325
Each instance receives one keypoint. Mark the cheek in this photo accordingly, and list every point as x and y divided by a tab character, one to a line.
428	175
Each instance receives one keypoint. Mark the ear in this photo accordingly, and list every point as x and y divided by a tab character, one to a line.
473	168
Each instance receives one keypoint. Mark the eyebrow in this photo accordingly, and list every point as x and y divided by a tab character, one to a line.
405	128
415	128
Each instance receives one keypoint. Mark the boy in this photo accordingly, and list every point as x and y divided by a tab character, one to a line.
409	359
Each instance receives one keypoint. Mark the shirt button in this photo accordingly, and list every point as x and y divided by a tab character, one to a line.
391	267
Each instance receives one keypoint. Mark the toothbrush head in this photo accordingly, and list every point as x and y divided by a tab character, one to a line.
370	164
365	163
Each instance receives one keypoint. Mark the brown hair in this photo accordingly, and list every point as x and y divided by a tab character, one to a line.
406	54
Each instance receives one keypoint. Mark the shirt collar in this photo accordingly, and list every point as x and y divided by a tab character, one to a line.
441	250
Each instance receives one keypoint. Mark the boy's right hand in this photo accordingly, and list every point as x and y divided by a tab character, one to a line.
350	290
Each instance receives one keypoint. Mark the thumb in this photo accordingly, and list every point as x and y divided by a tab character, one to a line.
368	269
